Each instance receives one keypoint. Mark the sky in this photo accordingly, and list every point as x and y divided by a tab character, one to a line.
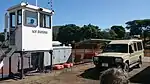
103	13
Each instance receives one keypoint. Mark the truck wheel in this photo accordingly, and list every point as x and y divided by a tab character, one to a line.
126	67
139	63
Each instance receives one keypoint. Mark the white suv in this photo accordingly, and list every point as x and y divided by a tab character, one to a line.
120	53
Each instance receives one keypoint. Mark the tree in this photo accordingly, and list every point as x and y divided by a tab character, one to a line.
134	28
90	31
119	30
109	34
139	27
68	33
71	32
113	35
106	34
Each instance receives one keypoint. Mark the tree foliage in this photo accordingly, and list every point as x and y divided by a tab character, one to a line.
139	27
119	30
113	34
71	32
68	33
90	31
108	34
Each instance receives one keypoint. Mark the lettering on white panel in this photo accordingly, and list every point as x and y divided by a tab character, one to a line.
34	31
39	31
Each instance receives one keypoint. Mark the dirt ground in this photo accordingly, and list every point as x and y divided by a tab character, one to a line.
72	76
147	52
81	74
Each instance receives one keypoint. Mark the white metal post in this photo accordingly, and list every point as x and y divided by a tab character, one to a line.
36	2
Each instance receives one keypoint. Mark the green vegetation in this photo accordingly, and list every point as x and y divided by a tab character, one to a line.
72	33
139	27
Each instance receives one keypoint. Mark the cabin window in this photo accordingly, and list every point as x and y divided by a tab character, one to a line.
12	20
139	44
19	17
31	18
130	49
45	20
135	47
42	19
122	48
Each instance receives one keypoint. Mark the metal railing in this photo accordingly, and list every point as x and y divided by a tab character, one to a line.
5	42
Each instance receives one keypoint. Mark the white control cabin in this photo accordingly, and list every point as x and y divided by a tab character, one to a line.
29	27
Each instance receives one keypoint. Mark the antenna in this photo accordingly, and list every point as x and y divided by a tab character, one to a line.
36	2
51	4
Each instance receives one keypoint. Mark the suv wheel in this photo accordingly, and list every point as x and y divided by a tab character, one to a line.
126	67
97	67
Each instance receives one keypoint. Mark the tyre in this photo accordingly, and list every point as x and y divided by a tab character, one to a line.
97	67
139	63
126	67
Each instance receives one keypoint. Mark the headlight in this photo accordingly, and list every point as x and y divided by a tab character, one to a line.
95	58
118	60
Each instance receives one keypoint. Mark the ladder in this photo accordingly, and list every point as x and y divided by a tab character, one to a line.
7	52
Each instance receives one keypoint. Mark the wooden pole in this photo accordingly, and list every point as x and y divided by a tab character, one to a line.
29	62
72	56
43	66
22	71
51	60
10	66
75	53
39	61
2	72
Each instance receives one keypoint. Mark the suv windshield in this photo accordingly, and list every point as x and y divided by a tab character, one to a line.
122	48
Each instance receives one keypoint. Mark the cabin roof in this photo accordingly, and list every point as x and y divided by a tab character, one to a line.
26	5
93	41
124	41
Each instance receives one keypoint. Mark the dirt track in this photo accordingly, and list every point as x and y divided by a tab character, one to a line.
82	74
74	76
147	52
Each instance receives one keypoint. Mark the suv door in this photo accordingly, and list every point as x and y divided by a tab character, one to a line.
132	57
140	49
136	52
